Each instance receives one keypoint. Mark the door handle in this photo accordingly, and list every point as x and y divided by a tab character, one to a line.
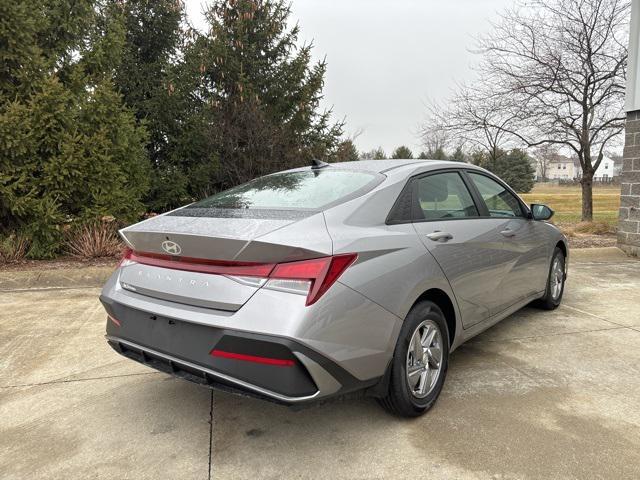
439	236
508	233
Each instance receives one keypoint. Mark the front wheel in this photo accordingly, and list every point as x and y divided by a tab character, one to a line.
555	282
420	361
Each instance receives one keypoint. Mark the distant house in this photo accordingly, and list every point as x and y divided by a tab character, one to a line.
560	167
606	170
617	165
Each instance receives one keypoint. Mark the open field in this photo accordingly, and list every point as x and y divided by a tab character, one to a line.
566	201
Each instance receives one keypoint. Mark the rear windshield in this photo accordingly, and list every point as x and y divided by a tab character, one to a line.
306	189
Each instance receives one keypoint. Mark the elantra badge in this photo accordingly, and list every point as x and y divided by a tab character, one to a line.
172	248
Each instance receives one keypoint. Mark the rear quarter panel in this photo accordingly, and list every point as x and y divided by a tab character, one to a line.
393	267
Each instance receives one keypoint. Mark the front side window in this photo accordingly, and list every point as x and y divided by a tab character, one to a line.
305	189
500	201
443	196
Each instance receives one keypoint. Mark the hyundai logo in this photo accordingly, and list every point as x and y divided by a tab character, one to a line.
172	248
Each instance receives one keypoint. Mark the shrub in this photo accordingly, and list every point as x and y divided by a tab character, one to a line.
68	157
94	240
13	248
594	228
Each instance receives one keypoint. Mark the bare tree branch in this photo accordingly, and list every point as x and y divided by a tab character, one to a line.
551	72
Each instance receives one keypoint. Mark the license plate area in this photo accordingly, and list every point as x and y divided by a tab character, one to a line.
189	288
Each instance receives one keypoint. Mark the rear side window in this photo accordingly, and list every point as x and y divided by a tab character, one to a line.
306	189
443	195
500	201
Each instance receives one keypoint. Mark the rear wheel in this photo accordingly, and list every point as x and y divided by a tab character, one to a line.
555	282
420	362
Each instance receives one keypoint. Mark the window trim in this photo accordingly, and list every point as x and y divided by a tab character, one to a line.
410	185
480	204
416	210
524	209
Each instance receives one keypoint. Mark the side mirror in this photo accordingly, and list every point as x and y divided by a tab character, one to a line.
541	212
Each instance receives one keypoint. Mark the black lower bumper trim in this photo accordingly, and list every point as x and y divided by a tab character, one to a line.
183	349
190	373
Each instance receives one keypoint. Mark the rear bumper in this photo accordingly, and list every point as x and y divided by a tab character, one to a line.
184	349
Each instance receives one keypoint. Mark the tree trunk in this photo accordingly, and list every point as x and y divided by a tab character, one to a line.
587	196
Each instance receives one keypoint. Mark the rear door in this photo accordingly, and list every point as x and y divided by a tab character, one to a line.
467	246
524	248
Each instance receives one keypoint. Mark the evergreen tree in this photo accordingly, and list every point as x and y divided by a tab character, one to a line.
514	167
437	154
346	152
69	150
480	158
255	98
146	77
402	152
458	155
375	154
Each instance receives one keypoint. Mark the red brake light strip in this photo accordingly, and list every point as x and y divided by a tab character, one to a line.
280	362
201	265
321	272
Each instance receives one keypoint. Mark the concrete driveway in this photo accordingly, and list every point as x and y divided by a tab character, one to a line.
541	395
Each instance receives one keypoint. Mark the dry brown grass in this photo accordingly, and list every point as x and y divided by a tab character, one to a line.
594	228
94	240
13	248
566	201
587	228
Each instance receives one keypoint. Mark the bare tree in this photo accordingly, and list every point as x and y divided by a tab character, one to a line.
434	137
544	155
474	118
561	65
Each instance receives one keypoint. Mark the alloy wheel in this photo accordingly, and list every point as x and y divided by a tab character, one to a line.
424	359
557	277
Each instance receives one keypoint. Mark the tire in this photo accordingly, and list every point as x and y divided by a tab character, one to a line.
405	397
552	295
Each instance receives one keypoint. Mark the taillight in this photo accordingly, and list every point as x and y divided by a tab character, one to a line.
126	256
314	276
306	277
200	265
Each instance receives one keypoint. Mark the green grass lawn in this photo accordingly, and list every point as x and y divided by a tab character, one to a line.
566	201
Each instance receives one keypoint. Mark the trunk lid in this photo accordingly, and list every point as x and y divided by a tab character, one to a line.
243	239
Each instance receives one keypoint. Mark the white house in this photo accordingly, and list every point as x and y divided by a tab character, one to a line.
558	167
562	168
606	170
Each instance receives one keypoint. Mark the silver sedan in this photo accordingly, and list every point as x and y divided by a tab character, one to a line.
335	278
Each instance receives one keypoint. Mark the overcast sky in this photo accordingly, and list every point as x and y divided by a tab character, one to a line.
387	58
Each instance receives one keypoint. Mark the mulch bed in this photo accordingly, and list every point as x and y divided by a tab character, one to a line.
591	241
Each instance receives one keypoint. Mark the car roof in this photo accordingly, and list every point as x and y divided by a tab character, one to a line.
383	166
392	169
